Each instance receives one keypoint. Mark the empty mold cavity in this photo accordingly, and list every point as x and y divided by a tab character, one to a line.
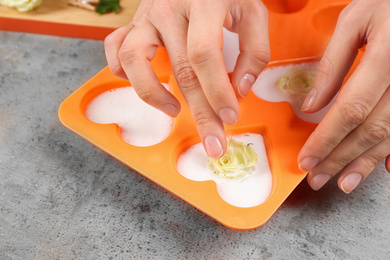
325	20
250	191
266	88
140	124
285	6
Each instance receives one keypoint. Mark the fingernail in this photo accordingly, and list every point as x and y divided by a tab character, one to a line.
351	182
228	116
308	163
319	180
213	146
309	100
245	84
169	109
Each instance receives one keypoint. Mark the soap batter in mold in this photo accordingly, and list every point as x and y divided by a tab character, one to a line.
266	88
250	191
140	124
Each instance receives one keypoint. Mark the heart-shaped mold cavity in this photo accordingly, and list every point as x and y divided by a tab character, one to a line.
140	124
325	20
285	6
266	87
250	191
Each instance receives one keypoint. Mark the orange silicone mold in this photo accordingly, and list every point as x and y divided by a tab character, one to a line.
299	29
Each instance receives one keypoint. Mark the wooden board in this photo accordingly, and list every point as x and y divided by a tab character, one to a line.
56	17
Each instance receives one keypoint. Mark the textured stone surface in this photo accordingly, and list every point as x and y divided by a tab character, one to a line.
63	198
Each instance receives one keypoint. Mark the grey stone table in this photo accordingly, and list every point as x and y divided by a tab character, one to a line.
63	198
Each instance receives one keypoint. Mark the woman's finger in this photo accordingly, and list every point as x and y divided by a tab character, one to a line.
348	37
205	55
208	123
135	54
252	29
369	134
112	44
361	167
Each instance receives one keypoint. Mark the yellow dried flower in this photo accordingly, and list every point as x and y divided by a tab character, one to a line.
297	81
238	161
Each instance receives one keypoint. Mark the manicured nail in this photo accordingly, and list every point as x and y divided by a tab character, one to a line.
245	84
308	163
228	116
351	182
213	146
169	109
309	101
319	180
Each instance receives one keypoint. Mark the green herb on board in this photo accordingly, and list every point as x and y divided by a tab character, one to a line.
105	6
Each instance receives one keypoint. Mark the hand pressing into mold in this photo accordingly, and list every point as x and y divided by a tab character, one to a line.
191	32
354	137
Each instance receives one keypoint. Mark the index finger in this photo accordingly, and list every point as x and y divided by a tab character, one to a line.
209	125
205	54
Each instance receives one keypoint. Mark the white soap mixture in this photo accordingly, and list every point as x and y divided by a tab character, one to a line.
140	124
265	88
251	191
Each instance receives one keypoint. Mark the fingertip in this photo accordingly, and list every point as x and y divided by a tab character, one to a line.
309	101
387	163
118	71
169	109
248	67
228	115
319	180
308	163
245	84
350	182
213	147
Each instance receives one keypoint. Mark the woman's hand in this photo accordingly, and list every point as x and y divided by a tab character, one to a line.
354	137
191	32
